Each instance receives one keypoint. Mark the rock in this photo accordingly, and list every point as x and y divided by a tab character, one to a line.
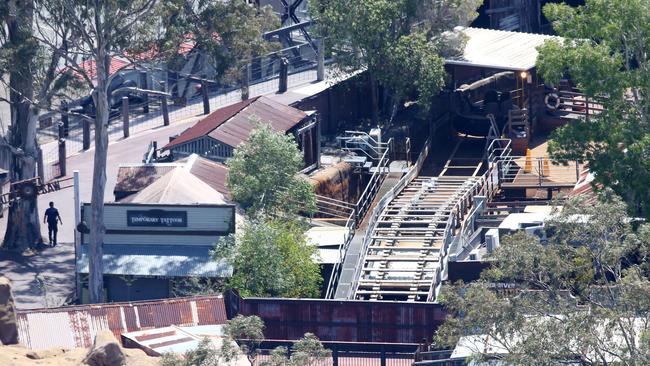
8	328
106	351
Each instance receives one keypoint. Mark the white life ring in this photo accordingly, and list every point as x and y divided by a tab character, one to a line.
552	101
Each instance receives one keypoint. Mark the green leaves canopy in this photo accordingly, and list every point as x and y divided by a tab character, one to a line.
263	176
272	259
583	296
392	39
607	54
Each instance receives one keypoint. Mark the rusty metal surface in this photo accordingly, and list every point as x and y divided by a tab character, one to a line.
346	321
213	174
232	124
76	326
209	123
281	118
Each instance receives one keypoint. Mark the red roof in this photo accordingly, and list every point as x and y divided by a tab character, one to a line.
90	67
232	124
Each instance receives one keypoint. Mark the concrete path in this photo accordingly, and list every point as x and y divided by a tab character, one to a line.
44	279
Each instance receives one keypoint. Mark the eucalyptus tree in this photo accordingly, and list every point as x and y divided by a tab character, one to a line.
606	53
581	297
34	78
401	43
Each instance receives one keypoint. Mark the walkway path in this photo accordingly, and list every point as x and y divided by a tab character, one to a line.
56	265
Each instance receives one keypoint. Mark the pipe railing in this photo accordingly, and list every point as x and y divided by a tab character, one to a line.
358	213
381	205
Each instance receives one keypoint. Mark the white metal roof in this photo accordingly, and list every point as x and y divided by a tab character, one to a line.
499	49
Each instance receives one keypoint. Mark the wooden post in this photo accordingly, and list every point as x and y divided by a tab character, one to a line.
284	75
86	133
60	128
145	85
62	160
245	88
163	102
41	169
320	71
206	100
65	119
125	116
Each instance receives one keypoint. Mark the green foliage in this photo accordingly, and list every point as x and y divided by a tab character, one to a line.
263	176
204	355
307	351
582	296
397	41
248	332
229	31
272	259
606	55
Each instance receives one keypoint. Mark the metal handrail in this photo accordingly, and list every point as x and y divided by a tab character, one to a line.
357	215
403	182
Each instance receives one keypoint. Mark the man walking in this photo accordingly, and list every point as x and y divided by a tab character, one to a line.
52	218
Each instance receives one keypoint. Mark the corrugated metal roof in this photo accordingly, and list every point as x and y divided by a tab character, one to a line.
239	127
131	179
231	125
499	49
209	123
157	260
173	339
179	186
213	174
76	326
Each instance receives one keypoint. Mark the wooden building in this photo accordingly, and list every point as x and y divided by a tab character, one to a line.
164	235
216	136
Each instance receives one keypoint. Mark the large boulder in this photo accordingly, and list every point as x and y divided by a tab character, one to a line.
8	328
106	351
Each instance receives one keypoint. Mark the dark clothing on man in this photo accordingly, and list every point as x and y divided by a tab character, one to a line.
51	215
52	229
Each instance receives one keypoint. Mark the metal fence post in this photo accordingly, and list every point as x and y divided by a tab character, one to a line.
65	119
145	85
163	102
86	133
125	116
245	88
320	71
206	100
62	160
284	75
41	169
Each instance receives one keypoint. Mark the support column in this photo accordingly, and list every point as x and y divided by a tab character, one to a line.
163	102
320	71
86	133
65	119
245	88
62	158
206	100
39	160
144	81
284	75
125	116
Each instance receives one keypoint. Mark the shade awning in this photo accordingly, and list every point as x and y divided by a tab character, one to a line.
163	261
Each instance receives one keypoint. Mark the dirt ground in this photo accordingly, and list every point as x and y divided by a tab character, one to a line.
19	356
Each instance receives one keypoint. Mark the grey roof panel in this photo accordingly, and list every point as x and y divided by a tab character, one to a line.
163	260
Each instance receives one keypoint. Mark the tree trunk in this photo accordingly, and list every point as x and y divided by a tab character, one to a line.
97	229
374	98
96	277
23	224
